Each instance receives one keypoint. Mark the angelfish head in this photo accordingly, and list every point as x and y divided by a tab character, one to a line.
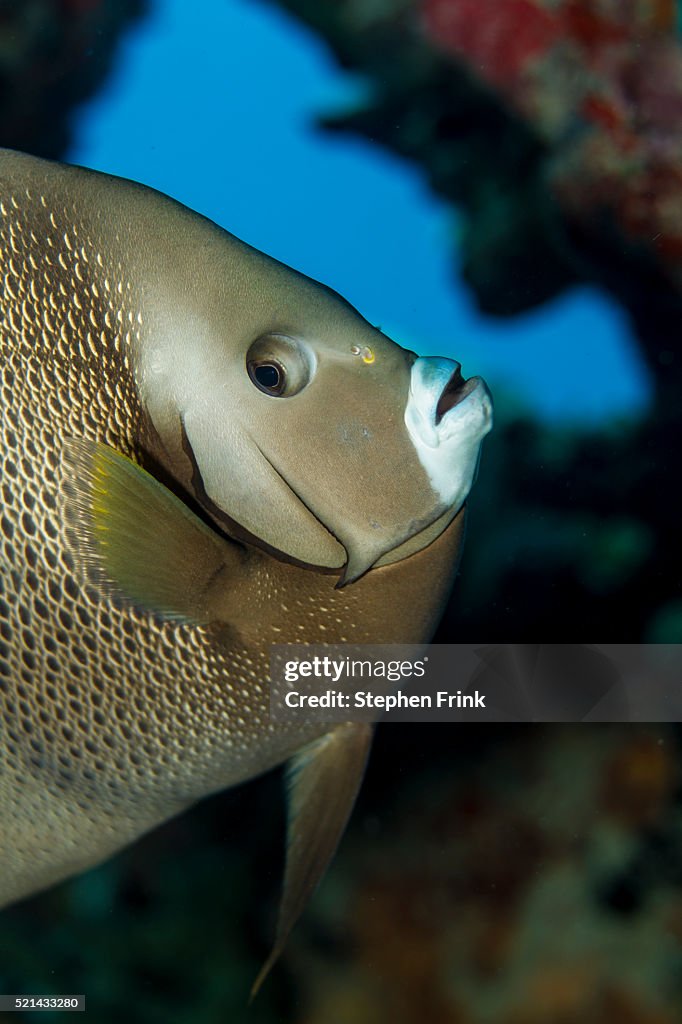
308	429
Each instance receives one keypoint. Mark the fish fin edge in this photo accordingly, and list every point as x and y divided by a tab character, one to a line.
324	779
135	539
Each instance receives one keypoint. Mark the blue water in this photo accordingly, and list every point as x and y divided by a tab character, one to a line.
214	103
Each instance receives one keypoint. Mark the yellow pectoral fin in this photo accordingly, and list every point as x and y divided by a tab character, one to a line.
324	780
138	537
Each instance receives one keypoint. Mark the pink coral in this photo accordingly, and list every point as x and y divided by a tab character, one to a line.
601	82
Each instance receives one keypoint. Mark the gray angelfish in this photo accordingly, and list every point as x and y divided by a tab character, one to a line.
245	461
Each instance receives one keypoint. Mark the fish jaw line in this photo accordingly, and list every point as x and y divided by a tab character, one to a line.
448	446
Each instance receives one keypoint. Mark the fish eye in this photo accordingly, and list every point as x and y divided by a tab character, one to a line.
278	365
268	377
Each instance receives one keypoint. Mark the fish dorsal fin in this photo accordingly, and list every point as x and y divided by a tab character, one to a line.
137	538
324	779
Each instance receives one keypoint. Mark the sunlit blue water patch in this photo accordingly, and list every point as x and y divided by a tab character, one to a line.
215	105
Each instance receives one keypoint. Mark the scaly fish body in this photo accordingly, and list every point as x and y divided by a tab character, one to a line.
113	302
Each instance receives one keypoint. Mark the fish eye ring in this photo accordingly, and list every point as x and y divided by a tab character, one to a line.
279	366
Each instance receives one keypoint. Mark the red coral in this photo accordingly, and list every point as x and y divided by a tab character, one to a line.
601	82
498	38
604	112
590	29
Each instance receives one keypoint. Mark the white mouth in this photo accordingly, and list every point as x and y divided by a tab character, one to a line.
447	417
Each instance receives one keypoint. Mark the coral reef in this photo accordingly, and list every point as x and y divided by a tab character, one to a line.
600	83
53	55
535	887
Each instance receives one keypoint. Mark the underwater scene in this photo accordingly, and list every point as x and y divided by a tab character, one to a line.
349	322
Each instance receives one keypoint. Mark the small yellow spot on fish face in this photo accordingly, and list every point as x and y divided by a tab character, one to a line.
367	354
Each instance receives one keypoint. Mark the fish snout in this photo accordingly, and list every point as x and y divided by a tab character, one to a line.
447	417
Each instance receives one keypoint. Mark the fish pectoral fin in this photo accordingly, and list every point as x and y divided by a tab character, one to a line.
324	779
137	538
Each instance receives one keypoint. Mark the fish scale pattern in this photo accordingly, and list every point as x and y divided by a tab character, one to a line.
105	712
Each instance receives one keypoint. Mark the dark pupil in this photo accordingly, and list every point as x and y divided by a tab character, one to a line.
268	376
